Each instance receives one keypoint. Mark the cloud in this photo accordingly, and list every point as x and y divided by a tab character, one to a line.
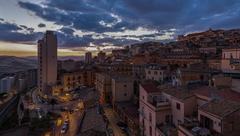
41	25
11	32
123	22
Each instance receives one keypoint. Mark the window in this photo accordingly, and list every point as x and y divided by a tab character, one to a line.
150	116
155	72
143	97
178	106
167	118
219	124
125	94
150	130
149	72
125	85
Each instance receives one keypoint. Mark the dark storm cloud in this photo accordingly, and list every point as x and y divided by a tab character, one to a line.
119	15
41	25
67	40
11	32
88	21
161	14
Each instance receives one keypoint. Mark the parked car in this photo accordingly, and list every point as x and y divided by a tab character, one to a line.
122	125
64	128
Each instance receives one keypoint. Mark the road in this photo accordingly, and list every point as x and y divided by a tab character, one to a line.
113	119
74	118
74	122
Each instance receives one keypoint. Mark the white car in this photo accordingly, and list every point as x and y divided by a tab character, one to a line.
64	128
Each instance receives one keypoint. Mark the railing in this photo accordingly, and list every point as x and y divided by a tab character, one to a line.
160	103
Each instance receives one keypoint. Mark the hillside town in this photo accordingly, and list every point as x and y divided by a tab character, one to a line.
188	87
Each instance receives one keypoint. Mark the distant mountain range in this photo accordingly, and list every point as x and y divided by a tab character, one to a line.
76	58
10	64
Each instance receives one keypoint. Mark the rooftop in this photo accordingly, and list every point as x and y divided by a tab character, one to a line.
150	86
220	108
225	93
122	78
181	93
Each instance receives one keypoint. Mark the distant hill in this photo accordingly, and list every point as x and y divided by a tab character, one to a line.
10	64
76	58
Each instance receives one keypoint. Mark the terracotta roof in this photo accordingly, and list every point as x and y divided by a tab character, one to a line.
222	93
181	93
150	86
221	108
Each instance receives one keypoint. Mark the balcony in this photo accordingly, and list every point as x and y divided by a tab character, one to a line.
159	101
166	129
191	127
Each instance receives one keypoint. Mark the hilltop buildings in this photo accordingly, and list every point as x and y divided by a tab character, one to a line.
185	88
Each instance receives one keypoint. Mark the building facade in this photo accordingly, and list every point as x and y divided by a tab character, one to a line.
88	57
47	62
230	57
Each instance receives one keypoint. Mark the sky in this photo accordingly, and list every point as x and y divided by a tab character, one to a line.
92	25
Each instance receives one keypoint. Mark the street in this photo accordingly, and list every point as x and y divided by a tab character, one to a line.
74	120
113	119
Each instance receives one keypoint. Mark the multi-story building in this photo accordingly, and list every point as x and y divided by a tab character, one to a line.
230	57
47	62
103	84
156	72
154	109
188	111
67	65
88	57
101	57
122	88
6	84
138	72
72	80
122	69
120	53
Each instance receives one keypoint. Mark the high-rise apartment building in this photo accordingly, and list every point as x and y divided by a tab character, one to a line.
47	62
101	56
88	57
6	84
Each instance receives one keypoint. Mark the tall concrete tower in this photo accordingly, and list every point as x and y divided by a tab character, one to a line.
47	62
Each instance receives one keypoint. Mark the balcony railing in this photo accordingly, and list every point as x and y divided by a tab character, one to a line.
159	101
191	127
